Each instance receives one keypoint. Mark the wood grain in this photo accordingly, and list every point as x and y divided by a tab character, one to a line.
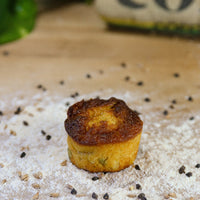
71	41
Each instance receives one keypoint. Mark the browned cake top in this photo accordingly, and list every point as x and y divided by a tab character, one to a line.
99	121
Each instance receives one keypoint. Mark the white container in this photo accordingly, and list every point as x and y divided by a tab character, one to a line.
152	14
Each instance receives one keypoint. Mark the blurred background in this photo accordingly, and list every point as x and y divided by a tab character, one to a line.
18	17
47	41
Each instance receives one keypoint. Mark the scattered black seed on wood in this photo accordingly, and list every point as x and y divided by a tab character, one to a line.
94	195
18	111
43	132
182	170
174	101
74	95
6	53
106	196
101	71
67	103
1	113
127	78
23	154
190	98
39	86
142	196
176	75
137	167
165	112
95	178
123	64
48	137
138	186
73	191
189	174
147	99
171	106
140	83
197	165
191	118
62	82
25	123
88	76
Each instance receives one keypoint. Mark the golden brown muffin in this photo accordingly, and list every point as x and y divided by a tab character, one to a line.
103	135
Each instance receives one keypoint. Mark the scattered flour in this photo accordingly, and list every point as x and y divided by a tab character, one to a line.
167	143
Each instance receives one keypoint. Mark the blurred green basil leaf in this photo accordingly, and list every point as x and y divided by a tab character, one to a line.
17	19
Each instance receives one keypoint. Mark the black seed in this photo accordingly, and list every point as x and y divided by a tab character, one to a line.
6	53
176	75
181	169
76	94
23	154
88	76
94	195
190	98
140	83
95	178
39	86
17	112
137	167
25	123
147	99
127	78
1	113
171	106
101	71
48	137
123	64
62	82
138	187
197	165
165	112
174	101
142	196
67	103
106	196
189	174
43	132
73	191
191	118
44	89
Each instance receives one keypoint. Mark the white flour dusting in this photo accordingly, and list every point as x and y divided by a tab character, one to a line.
167	143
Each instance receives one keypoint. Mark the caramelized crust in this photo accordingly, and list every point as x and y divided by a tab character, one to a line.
97	122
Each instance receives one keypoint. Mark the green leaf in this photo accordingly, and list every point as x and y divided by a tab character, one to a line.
102	161
18	19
